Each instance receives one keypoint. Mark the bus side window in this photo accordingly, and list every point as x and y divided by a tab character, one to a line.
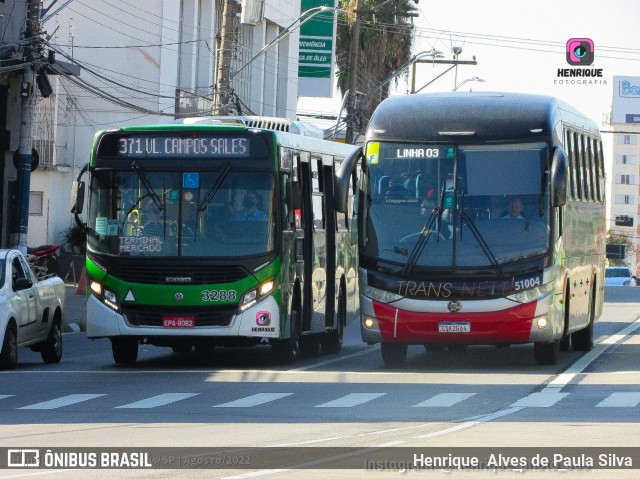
287	199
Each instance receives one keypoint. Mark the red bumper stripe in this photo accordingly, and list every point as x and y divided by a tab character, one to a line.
509	325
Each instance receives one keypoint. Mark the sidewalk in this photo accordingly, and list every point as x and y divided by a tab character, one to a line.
75	314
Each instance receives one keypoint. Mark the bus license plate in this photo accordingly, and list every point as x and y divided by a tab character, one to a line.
458	327
178	321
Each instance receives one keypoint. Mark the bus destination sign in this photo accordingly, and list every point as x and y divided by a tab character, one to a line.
183	147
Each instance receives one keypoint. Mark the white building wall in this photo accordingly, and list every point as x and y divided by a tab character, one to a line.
155	47
625	177
276	69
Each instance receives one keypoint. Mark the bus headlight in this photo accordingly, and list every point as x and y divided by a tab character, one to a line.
542	322
105	295
369	322
532	294
379	295
255	295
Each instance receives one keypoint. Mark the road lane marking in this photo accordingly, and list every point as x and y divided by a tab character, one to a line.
255	400
156	401
468	424
544	398
581	364
445	400
63	401
335	360
625	399
351	400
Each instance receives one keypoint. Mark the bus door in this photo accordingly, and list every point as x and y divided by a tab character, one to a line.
313	178
304	177
330	242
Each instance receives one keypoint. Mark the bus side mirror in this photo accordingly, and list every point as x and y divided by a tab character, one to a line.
342	179
559	170
77	192
77	197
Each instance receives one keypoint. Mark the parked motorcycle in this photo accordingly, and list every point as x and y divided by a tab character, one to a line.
44	259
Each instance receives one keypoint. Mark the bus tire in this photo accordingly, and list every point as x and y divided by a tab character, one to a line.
124	349
583	340
332	341
393	354
546	353
309	345
287	351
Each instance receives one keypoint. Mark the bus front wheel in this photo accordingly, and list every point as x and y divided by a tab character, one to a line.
393	354
124	349
546	353
287	351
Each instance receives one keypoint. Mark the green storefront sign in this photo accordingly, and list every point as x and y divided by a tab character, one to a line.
316	45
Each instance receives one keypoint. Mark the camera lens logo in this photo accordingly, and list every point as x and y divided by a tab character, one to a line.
23	458
263	318
580	51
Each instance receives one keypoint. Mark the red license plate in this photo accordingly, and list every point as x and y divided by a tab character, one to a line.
178	321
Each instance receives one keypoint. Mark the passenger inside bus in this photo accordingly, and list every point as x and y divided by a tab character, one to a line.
496	207
514	209
153	225
250	210
395	189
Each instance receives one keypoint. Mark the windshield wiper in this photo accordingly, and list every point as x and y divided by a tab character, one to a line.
425	234
145	181
215	187
481	241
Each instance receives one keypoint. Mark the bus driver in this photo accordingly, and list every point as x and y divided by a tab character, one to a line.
250	210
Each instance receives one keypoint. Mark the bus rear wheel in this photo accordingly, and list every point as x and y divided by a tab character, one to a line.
583	340
332	341
546	353
393	354
124	349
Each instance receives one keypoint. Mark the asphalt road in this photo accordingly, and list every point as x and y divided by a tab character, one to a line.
239	399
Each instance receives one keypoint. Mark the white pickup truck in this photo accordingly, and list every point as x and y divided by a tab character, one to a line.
30	311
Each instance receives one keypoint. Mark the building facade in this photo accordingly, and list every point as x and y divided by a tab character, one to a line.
12	20
145	62
625	181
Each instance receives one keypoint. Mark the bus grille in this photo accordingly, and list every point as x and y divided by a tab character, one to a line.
149	273
204	316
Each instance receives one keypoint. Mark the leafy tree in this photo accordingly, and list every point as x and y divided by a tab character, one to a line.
386	40
620	239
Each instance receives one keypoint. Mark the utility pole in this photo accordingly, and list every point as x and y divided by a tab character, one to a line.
454	64
222	88
354	54
18	237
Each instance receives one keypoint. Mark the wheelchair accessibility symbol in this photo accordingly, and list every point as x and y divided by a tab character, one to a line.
190	180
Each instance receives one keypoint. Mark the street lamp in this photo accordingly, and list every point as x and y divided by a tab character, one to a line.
301	20
468	80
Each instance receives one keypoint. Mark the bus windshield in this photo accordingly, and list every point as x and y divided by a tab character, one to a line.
222	213
435	206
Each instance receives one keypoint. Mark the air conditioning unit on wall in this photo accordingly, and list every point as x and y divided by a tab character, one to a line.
252	11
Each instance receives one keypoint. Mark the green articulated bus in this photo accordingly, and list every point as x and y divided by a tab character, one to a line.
216	234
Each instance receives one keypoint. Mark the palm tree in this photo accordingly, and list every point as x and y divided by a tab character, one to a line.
386	39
